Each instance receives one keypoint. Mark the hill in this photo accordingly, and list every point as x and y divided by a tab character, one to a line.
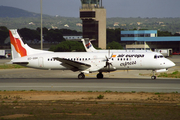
18	18
12	12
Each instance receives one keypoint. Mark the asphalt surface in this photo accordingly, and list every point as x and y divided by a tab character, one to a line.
121	81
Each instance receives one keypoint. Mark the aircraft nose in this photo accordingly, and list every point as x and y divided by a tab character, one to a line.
171	64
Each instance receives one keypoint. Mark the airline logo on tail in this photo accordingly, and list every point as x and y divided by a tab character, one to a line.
88	45
17	45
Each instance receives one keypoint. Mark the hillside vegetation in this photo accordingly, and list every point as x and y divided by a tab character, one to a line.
17	18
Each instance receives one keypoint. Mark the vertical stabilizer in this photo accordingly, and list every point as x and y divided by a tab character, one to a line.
19	49
17	45
88	45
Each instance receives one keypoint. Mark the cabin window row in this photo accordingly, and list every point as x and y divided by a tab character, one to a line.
73	59
78	59
84	59
121	59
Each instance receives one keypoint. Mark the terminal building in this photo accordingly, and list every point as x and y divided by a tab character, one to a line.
93	16
148	39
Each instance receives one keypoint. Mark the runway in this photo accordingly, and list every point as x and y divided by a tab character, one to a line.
89	84
120	81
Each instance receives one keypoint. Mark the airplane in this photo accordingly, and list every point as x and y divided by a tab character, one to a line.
90	48
85	62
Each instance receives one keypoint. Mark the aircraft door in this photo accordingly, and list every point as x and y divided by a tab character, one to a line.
40	62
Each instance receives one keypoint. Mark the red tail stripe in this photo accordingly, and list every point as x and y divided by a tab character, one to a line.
17	45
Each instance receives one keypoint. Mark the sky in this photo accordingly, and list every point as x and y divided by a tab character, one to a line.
114	8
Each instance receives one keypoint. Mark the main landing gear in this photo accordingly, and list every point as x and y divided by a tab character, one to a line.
81	76
153	77
99	75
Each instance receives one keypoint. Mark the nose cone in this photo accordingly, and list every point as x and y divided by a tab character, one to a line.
170	64
173	64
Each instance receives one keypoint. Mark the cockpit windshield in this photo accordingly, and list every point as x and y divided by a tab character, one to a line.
158	56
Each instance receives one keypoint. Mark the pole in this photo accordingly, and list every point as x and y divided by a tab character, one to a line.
41	29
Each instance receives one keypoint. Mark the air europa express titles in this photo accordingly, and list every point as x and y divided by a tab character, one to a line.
132	55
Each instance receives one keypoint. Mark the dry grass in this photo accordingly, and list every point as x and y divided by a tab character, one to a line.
49	105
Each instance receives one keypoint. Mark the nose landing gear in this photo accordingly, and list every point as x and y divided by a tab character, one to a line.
153	77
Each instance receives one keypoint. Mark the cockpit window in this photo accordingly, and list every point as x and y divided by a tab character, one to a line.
161	56
158	56
155	56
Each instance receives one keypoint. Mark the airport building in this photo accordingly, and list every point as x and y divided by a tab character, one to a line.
93	16
148	39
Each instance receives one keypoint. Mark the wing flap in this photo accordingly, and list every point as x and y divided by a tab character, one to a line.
73	65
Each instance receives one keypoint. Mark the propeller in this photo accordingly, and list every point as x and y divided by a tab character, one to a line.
108	61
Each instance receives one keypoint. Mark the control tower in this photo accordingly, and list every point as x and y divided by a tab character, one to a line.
93	16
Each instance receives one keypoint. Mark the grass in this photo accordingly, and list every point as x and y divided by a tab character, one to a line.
100	97
175	74
10	66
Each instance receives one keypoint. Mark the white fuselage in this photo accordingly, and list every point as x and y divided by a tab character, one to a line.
120	60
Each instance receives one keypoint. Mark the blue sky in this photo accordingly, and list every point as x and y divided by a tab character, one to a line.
114	8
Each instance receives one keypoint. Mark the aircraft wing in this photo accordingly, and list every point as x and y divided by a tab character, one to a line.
73	65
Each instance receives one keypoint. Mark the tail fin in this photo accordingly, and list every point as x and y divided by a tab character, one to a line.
17	45
19	49
88	45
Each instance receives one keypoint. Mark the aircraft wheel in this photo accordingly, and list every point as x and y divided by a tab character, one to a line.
153	77
81	76
99	76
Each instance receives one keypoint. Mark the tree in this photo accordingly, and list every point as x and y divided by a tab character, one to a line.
68	46
113	35
164	33
4	33
114	45
29	34
54	36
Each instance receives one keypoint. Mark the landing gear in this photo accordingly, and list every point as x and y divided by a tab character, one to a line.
100	75
81	76
153	77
